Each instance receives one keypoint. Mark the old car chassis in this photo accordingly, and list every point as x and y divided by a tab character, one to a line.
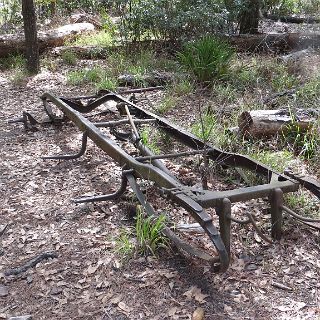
148	166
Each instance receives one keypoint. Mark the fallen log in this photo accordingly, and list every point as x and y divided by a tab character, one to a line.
292	19
15	43
85	52
265	123
275	42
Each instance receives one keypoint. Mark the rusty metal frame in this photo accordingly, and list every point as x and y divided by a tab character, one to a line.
150	167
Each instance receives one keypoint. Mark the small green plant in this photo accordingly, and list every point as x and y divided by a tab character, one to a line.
167	103
103	38
303	143
308	94
207	59
303	202
149	233
279	160
150	139
19	76
13	62
49	64
204	128
180	87
124	246
97	77
224	93
69	57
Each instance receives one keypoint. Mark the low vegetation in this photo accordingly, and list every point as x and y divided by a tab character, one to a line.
145	238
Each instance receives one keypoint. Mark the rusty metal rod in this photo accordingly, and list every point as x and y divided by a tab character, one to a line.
298	216
170	155
105	197
121	122
72	156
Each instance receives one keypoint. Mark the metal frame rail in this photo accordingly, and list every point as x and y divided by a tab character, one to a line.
148	166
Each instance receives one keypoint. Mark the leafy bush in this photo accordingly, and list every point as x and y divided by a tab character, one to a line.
208	58
69	57
175	19
287	7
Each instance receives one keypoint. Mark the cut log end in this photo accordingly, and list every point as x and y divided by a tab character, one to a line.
266	123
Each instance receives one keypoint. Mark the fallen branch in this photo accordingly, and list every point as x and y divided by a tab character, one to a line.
292	19
281	286
30	264
275	42
3	230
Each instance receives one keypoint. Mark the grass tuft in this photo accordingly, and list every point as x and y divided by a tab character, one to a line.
207	59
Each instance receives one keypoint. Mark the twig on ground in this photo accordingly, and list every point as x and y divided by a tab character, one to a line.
30	264
3	230
281	286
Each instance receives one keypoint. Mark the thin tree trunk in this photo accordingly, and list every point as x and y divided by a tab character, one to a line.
249	16
30	32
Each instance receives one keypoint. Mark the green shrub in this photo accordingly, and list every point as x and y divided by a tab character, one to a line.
303	143
207	58
17	61
175	19
124	245
99	78
149	233
146	238
69	57
102	38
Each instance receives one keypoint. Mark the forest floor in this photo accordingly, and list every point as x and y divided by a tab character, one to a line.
88	279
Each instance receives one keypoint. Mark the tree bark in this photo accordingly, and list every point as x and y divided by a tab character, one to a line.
249	16
30	32
265	123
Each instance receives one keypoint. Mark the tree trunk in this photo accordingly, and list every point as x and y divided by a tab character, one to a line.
264	123
249	16
30	32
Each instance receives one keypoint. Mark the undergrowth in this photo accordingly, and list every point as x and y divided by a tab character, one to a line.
146	238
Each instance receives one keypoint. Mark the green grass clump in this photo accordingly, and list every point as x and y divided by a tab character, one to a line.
69	58
207	59
149	233
145	239
102	38
303	143
303	202
16	63
124	245
150	139
277	160
167	103
99	78
308	94
13	62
